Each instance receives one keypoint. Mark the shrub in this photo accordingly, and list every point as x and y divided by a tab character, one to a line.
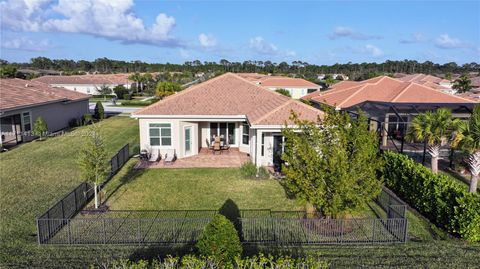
74	122
86	119
220	240
120	91
263	173
127	97
283	92
99	113
441	199
191	261
138	102
40	128
248	170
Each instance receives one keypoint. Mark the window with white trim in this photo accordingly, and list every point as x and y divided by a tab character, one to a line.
160	134
263	145
246	134
27	122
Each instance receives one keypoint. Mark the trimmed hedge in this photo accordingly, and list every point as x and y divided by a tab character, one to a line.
190	262
138	102
444	201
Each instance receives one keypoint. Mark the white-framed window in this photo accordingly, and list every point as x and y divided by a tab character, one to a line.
160	134
245	134
263	145
27	121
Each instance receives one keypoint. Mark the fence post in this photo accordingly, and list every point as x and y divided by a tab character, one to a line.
38	233
69	233
104	233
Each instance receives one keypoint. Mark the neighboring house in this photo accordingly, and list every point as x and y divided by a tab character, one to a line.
248	116
297	87
87	83
434	82
334	76
389	102
23	101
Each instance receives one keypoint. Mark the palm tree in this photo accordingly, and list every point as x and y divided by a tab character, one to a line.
467	137
136	77
434	128
462	84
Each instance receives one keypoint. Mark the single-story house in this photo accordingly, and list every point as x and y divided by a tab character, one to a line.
88	84
247	116
434	82
23	101
390	103
297	87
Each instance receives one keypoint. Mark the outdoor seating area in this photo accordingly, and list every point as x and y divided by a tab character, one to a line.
218	144
207	157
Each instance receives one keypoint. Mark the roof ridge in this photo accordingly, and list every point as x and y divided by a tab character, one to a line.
257	86
437	91
402	92
273	111
181	92
355	93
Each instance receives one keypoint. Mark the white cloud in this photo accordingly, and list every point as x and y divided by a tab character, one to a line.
444	41
102	18
370	50
207	41
414	38
342	31
261	46
24	43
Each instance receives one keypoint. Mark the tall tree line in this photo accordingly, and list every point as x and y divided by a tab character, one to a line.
296	68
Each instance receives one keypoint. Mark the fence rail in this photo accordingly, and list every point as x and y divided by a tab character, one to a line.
59	215
260	226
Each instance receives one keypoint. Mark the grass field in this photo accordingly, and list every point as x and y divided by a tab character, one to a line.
35	175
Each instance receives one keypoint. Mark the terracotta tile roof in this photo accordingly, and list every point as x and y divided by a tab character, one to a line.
86	79
277	81
230	95
384	89
17	93
422	78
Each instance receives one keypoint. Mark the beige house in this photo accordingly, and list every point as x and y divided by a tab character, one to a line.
244	115
23	101
88	84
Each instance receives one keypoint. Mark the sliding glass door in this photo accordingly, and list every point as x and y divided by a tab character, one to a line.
226	131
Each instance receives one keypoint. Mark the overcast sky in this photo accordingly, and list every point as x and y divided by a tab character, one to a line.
318	32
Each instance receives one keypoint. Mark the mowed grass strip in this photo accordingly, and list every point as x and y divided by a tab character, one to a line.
35	175
195	188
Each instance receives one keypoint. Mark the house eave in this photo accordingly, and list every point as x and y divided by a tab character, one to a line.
193	117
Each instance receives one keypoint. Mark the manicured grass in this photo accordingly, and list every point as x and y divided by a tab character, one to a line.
199	188
35	175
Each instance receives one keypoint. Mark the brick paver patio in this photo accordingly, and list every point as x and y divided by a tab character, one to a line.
205	158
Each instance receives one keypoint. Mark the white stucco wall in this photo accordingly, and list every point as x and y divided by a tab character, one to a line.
88	88
295	92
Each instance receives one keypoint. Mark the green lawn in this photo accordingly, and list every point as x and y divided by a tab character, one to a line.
35	175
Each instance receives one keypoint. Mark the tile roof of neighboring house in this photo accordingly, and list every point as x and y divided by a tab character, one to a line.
232	95
18	93
277	81
476	82
423	78
86	79
383	89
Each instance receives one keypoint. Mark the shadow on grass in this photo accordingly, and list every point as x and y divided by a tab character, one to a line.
231	211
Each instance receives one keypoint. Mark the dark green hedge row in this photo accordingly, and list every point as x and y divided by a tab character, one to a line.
441	199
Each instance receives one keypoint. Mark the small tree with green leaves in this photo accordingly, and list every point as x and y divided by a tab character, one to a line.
99	111
120	91
467	137
333	164
104	90
165	88
40	128
433	128
220	240
93	160
284	92
462	84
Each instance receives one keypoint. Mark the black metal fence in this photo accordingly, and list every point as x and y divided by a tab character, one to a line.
56	217
254	226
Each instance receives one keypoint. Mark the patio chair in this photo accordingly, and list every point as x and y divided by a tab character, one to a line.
155	156
209	145
169	160
217	148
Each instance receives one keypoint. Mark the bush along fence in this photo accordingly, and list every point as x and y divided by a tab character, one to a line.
59	215
142	227
444	201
